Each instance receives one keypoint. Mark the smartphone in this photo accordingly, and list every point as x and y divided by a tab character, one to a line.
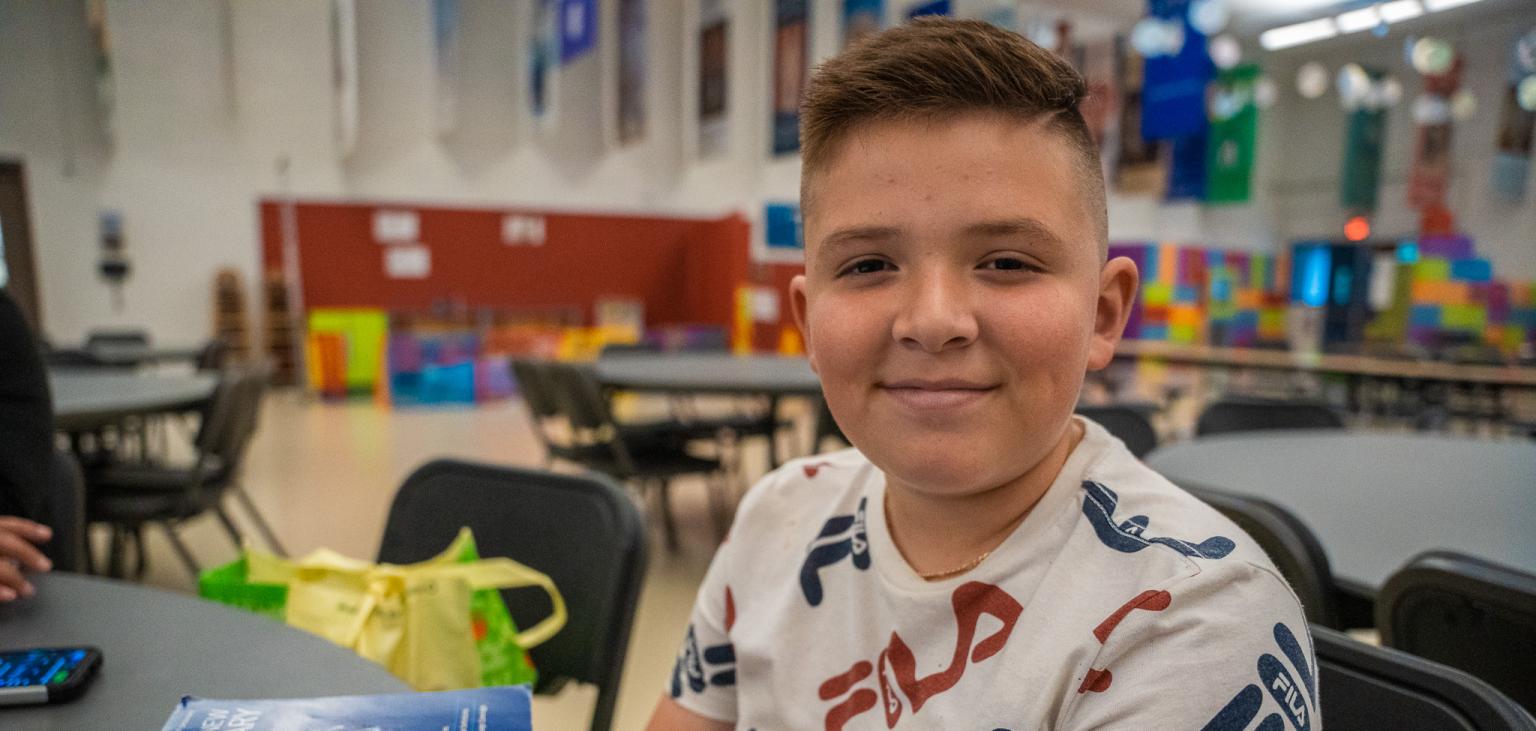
46	675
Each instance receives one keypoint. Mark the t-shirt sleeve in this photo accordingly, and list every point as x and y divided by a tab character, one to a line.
1223	650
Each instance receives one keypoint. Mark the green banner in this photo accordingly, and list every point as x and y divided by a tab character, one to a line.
1233	136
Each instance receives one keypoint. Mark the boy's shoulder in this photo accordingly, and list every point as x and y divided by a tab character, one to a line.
805	490
1133	513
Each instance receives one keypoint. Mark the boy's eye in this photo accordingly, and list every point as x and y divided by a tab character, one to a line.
867	266
1006	263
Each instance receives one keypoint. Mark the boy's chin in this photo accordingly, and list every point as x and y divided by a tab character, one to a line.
948	475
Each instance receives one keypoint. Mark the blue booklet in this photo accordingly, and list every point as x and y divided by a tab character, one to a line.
483	709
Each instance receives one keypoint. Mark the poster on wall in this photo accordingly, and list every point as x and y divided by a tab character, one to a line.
101	61
789	64
782	228
632	50
1233	136
445	42
543	47
935	7
578	29
344	73
1139	162
1365	132
1431	172
714	129
862	18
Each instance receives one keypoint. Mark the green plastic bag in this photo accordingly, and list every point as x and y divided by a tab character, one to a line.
503	661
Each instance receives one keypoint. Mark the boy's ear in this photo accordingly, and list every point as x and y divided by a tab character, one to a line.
1118	280
798	304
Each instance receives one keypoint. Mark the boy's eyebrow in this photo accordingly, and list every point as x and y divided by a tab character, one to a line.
843	237
1028	228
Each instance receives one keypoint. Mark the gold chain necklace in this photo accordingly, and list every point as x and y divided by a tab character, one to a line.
934	575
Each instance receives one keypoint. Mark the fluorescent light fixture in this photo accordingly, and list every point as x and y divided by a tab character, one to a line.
1286	36
1355	21
1400	10
1438	5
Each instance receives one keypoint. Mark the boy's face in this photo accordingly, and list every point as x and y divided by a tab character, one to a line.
954	296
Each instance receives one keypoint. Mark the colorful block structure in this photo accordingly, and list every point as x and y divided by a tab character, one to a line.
1197	295
1450	294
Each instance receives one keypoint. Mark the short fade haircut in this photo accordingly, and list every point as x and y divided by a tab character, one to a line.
936	68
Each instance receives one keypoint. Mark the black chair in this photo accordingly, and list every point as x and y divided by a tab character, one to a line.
1252	414
582	531
1368	688
601	444
1299	556
1471	614
64	512
214	355
1131	423
130	496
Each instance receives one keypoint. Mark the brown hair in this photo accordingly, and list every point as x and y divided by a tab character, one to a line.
938	68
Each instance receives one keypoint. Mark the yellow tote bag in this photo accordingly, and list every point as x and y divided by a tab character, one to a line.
414	620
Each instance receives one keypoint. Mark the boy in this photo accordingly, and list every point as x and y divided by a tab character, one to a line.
984	559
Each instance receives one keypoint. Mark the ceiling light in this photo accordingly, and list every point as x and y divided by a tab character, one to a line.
1400	10
1438	5
1355	21
1286	36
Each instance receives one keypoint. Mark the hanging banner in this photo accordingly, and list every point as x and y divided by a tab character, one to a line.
1233	136
789	64
1431	172
1173	93
1512	155
1365	131
543	62
936	7
1096	62
862	18
101	55
1138	162
445	41
1186	169
714	132
632	51
344	73
578	29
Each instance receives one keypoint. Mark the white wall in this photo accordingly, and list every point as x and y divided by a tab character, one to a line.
216	98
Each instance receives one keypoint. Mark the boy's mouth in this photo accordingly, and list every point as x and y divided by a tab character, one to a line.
926	394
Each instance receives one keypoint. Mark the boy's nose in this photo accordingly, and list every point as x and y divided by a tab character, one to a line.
937	317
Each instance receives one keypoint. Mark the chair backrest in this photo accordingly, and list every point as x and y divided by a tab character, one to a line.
64	512
1366	687
1468	613
581	530
213	355
1250	414
1130	423
1289	543
533	384
231	417
124	338
580	397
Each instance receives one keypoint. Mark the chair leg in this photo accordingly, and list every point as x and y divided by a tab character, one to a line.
141	556
262	527
668	522
115	550
230	529
182	551
719	504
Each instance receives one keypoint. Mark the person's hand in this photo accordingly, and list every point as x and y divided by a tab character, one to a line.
18	553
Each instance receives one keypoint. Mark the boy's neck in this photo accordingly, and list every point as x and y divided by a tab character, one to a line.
938	535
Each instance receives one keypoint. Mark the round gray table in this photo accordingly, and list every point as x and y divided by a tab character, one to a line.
158	646
709	373
1377	500
90	398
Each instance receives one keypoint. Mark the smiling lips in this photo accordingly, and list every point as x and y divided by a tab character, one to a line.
934	395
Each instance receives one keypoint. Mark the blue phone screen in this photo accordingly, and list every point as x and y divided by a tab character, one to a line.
38	667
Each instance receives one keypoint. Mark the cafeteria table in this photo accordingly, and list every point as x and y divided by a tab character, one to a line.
158	646
720	373
89	398
1375	500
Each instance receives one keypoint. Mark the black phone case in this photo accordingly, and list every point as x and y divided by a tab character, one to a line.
75	685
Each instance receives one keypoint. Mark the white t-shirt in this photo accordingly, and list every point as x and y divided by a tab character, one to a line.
1120	602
